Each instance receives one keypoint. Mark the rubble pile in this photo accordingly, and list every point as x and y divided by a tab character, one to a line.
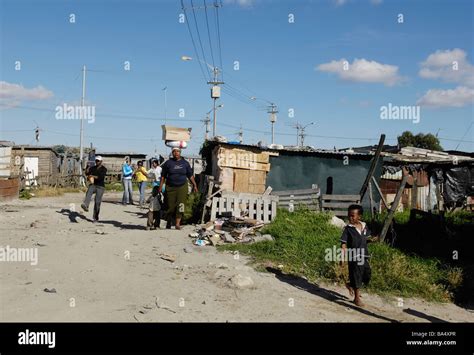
229	230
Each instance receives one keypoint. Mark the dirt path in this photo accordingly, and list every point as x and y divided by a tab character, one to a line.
119	276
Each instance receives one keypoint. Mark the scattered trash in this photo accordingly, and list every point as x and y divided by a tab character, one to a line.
201	242
168	257
208	226
218	224
229	230
187	250
222	266
99	231
34	224
50	290
39	244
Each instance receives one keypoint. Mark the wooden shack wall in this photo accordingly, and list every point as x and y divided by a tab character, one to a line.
48	161
240	169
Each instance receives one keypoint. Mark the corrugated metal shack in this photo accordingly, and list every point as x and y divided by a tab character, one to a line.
436	180
248	168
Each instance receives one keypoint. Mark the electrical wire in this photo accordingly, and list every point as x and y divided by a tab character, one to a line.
209	34
199	38
192	40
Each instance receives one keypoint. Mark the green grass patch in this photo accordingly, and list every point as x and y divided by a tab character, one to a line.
301	242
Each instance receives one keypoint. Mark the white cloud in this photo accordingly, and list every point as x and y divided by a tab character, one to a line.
241	3
458	97
362	70
449	66
13	94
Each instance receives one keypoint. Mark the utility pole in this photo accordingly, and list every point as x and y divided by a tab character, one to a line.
81	142
241	134
207	122
215	94
302	132
273	111
298	127
165	89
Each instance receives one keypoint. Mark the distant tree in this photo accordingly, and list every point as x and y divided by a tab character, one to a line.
425	141
60	148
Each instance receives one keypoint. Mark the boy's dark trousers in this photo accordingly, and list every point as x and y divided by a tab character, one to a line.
359	274
99	192
153	219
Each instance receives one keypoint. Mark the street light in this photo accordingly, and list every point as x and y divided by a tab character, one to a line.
215	89
207	120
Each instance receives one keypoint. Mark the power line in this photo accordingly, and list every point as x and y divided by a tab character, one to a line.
192	40
209	34
216	7
113	115
457	146
199	38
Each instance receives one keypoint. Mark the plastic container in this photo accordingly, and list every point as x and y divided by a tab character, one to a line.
176	144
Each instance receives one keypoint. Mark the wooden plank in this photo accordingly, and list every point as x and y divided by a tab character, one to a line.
248	195
373	165
274	210
252	208
268	191
256	189
371	200
394	207
296	192
221	204
236	211
258	209
339	213
298	202
241	180
257	177
214	208
336	204
243	205
341	197
380	192
266	212
300	197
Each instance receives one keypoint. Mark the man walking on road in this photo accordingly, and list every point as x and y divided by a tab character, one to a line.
96	178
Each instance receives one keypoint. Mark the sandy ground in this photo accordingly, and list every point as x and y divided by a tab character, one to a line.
119	276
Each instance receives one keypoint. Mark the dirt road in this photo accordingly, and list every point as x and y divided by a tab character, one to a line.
113	272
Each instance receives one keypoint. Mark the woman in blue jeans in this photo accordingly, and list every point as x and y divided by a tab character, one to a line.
127	173
141	176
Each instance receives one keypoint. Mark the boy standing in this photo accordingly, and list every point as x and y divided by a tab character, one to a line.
154	208
354	245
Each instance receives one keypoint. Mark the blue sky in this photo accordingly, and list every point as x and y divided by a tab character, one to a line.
297	65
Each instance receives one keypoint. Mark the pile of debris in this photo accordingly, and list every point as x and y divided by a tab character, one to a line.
230	230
